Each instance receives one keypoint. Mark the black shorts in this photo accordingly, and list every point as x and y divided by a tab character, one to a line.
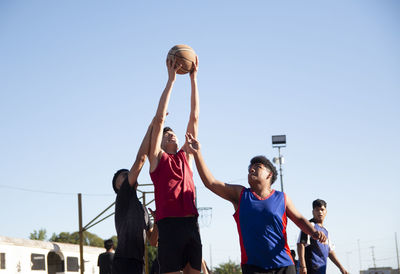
178	244
125	265
252	269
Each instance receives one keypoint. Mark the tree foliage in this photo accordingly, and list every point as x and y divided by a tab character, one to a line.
89	239
228	268
152	254
40	235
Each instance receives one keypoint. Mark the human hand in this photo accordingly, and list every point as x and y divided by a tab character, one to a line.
319	236
303	270
172	67
193	144
193	73
344	271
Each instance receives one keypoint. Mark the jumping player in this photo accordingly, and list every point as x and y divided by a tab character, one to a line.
131	218
313	255
179	244
260	213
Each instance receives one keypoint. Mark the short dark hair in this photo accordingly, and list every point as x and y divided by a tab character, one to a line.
108	244
167	129
114	180
260	159
318	203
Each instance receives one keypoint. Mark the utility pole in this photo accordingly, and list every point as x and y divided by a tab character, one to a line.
397	253
359	253
82	263
373	255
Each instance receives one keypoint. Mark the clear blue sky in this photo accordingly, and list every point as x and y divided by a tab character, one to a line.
80	81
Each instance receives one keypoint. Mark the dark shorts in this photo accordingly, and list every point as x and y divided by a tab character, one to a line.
178	244
252	269
125	266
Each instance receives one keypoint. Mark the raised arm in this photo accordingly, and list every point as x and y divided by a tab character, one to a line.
226	191
302	222
159	118
140	157
193	123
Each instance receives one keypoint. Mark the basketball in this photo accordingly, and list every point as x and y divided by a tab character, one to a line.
184	55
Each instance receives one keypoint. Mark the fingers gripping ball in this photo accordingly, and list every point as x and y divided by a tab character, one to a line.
185	56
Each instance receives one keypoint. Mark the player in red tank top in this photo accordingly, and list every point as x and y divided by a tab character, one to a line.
179	246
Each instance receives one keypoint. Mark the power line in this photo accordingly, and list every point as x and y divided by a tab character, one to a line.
51	192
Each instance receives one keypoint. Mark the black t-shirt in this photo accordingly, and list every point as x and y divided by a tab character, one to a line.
105	262
131	223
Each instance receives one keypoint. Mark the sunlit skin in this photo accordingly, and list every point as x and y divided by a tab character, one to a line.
258	179
319	214
169	142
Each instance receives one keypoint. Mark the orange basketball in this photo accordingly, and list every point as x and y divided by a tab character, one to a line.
185	56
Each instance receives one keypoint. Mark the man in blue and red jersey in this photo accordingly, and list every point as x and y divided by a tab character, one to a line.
179	244
260	213
313	255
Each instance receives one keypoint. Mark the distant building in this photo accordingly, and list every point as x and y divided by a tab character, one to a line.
380	270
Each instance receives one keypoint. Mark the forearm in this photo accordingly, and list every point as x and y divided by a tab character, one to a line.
164	101
153	238
302	256
141	156
335	260
194	109
304	225
204	173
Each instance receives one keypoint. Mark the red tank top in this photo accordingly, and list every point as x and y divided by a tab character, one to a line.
174	187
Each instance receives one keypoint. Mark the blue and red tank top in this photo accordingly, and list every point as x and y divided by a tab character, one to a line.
261	223
174	189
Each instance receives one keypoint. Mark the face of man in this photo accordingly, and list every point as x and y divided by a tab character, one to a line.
258	172
319	214
120	180
169	142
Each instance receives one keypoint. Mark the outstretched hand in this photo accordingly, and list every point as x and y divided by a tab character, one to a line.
172	67
192	144
319	236
193	73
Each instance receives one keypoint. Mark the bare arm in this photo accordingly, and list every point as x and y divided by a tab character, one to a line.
301	251
302	222
335	260
159	118
193	123
152	234
226	191
140	157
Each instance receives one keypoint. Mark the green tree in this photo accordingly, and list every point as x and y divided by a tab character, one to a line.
115	240
152	254
73	238
228	268
38	235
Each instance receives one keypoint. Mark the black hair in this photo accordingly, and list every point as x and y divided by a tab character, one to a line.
114	180
108	244
267	163
318	203
167	129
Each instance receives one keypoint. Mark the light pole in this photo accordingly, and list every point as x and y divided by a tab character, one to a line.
279	141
